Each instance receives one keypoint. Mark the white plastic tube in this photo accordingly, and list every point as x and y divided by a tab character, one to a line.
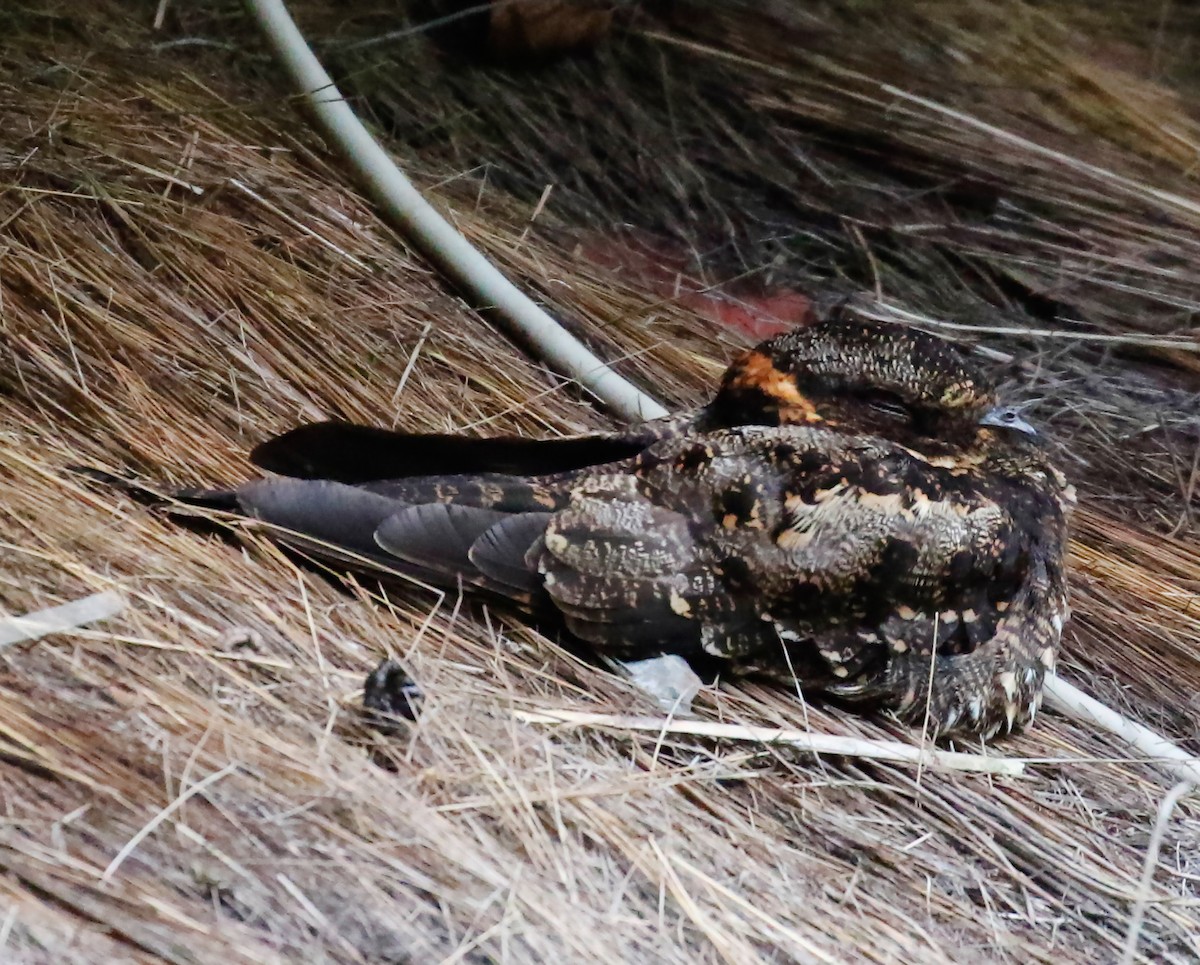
432	234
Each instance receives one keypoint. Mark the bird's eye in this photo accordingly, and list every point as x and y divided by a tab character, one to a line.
888	405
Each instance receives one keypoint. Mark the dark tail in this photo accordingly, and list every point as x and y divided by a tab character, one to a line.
354	454
443	534
441	542
224	500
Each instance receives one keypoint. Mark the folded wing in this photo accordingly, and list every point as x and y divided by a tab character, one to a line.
846	562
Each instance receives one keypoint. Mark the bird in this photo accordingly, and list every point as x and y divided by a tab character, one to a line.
853	512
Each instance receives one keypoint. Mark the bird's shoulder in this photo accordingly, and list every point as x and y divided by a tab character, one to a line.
814	465
799	505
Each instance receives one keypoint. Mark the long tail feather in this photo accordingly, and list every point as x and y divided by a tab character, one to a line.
349	453
224	500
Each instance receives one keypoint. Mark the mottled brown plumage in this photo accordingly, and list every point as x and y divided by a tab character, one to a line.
845	513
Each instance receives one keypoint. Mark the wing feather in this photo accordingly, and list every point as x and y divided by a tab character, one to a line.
323	510
502	552
438	536
850	546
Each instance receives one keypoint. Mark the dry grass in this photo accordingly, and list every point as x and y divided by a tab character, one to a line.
183	273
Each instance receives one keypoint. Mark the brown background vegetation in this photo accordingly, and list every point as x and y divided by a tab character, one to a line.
185	269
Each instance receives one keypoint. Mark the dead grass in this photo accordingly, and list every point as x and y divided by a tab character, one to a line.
183	272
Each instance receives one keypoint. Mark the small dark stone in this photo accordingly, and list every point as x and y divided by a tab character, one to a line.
388	695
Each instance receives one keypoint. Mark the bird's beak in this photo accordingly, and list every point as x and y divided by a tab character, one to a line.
1008	417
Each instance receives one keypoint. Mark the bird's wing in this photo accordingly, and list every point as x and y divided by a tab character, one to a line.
630	575
443	544
882	549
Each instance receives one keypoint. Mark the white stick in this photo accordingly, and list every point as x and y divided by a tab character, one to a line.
431	233
56	619
799	739
1069	700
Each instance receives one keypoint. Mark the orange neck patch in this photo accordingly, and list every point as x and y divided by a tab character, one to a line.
756	371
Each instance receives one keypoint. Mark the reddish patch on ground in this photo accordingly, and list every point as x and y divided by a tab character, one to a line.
653	265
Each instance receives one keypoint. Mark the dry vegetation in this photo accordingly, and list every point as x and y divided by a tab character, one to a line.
184	270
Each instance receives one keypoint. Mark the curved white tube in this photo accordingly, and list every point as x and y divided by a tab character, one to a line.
1074	703
432	234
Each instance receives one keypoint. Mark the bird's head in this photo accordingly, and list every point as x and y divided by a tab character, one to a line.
1008	446
865	376
1008	418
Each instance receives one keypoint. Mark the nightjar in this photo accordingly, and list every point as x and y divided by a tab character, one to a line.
852	512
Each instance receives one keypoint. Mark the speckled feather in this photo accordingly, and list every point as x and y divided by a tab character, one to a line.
836	516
